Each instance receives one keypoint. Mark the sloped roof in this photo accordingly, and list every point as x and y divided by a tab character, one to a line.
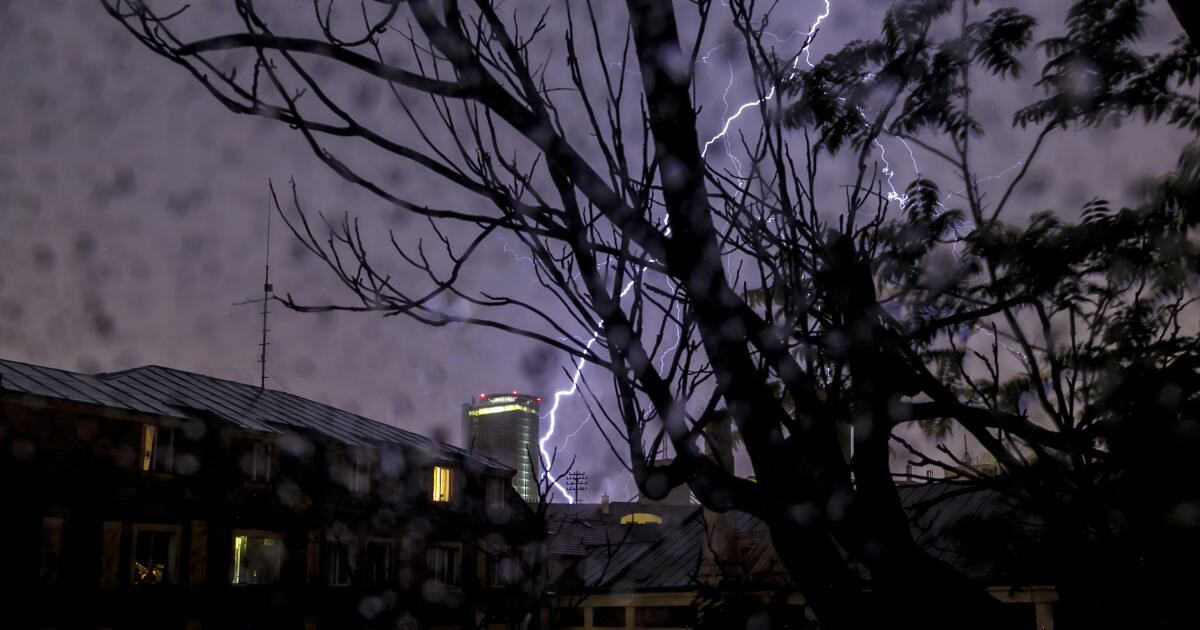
73	387
942	518
175	393
668	562
968	528
617	509
571	535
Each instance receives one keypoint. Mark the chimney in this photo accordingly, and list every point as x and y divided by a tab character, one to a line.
604	504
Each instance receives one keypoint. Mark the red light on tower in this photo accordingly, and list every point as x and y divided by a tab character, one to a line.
483	396
514	392
538	399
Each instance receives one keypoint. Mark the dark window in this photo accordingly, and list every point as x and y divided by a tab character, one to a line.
378	563
569	617
158	449
353	470
608	617
1018	615
497	493
443	564
502	571
341	561
257	462
664	616
154	554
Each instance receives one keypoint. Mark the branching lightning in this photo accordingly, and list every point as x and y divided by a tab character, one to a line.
728	121
563	393
567	440
558	396
771	94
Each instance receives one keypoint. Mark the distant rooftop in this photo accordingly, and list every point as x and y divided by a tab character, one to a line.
168	392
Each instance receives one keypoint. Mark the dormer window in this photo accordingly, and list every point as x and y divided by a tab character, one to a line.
158	449
497	493
443	483
641	518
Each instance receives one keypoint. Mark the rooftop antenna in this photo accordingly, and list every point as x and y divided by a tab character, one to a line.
577	482
266	301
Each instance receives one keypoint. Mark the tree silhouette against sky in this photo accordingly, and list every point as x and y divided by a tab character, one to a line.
800	293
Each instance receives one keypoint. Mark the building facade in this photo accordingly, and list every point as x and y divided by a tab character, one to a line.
157	498
506	427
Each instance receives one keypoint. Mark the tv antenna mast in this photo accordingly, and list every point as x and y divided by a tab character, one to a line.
266	301
577	482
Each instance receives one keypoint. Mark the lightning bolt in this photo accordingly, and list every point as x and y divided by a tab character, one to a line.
581	425
771	94
729	120
563	393
558	396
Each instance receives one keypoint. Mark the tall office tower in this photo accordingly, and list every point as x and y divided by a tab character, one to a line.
505	427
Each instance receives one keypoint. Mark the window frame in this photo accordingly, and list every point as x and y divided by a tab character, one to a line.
442	478
371	570
333	567
171	578
279	539
257	460
354	470
496	492
664	616
151	450
619	616
495	568
454	561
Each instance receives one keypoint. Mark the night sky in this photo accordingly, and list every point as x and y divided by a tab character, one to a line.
133	215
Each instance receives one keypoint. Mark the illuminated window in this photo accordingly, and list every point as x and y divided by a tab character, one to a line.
641	518
442	483
442	563
158	449
155	550
483	411
257	558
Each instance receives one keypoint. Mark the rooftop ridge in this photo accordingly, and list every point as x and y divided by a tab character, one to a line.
168	388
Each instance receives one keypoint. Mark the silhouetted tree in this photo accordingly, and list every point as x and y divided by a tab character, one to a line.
1067	350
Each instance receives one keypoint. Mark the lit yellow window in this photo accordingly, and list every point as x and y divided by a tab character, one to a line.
147	446
442	482
257	557
158	449
641	518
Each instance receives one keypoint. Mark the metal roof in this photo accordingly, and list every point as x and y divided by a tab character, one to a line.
641	557
571	535
174	393
671	558
616	509
966	527
73	387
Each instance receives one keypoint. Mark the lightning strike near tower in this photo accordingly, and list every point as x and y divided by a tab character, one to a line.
730	116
